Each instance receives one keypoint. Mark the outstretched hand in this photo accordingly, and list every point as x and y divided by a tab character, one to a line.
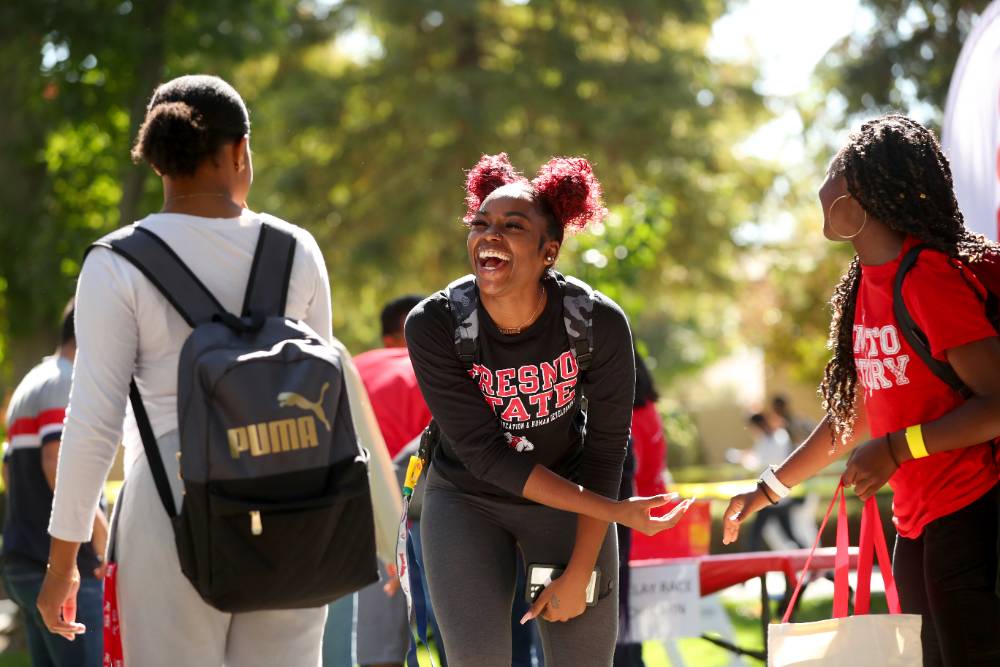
739	509
635	512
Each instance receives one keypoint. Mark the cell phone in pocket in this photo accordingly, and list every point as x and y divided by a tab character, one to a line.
541	575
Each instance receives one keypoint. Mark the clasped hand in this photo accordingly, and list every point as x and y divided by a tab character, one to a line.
869	467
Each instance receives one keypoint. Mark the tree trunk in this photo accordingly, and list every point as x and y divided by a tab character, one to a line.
150	72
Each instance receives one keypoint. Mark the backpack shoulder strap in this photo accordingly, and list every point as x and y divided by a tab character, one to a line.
181	287
578	316
168	273
270	273
463	299
913	334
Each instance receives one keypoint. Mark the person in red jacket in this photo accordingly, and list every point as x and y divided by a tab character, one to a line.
649	445
389	379
887	190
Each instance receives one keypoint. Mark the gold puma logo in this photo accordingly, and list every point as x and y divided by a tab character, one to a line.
290	398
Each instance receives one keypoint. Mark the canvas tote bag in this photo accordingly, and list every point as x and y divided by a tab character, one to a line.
862	640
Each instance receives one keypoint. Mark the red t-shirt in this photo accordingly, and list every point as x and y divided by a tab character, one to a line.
396	399
900	390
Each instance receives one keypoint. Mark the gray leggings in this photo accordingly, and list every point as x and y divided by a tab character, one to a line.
469	545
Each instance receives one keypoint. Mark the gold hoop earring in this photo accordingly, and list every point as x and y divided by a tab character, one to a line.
829	217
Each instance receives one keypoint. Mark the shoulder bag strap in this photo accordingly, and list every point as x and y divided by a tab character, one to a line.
463	300
194	302
913	334
578	317
152	451
270	273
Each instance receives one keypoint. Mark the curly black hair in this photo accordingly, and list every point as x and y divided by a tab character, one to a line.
894	167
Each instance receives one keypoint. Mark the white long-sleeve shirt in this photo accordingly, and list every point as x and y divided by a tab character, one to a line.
125	327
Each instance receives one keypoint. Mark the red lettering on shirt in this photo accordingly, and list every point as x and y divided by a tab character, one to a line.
541	403
549	375
530	391
505	387
565	393
567	365
527	376
486	380
515	412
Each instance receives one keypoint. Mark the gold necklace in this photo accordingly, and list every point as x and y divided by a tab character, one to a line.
513	331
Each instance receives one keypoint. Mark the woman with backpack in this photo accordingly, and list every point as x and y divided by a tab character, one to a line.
504	359
889	191
195	136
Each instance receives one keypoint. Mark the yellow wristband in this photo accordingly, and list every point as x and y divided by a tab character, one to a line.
915	441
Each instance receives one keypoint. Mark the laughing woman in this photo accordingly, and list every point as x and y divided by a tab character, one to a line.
534	433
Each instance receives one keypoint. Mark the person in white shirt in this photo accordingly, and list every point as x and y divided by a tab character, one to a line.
771	445
196	138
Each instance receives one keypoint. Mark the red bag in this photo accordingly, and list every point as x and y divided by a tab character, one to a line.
113	654
861	640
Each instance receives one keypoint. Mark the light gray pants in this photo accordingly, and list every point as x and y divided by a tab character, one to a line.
470	545
165	623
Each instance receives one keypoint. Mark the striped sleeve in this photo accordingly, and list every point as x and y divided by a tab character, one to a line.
53	397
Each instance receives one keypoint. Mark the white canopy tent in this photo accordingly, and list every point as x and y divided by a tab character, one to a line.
971	132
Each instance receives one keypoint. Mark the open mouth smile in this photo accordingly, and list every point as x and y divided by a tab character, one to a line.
491	259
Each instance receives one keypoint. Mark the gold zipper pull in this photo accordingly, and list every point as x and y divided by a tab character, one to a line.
256	525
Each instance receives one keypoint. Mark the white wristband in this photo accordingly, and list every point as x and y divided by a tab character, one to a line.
773	483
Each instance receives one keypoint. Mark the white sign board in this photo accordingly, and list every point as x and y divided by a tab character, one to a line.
665	601
971	131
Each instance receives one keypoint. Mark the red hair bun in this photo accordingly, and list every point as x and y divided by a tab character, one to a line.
491	172
569	187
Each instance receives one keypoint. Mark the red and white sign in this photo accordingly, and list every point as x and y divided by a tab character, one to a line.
971	132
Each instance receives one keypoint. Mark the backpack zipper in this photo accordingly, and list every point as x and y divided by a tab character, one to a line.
256	525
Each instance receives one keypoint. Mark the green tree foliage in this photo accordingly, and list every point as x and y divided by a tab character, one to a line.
365	115
905	59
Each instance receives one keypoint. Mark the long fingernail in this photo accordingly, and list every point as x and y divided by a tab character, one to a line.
526	618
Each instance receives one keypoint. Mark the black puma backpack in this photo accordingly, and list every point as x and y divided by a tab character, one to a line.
276	512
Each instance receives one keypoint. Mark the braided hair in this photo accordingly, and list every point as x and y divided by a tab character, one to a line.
895	169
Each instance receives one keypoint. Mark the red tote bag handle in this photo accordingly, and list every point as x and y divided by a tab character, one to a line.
872	541
873	537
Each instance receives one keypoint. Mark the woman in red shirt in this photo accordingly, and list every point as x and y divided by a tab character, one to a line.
887	190
649	445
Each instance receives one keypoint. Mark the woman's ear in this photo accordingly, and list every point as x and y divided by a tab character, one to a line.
551	252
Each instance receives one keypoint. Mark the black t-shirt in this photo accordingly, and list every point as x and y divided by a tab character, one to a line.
520	405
